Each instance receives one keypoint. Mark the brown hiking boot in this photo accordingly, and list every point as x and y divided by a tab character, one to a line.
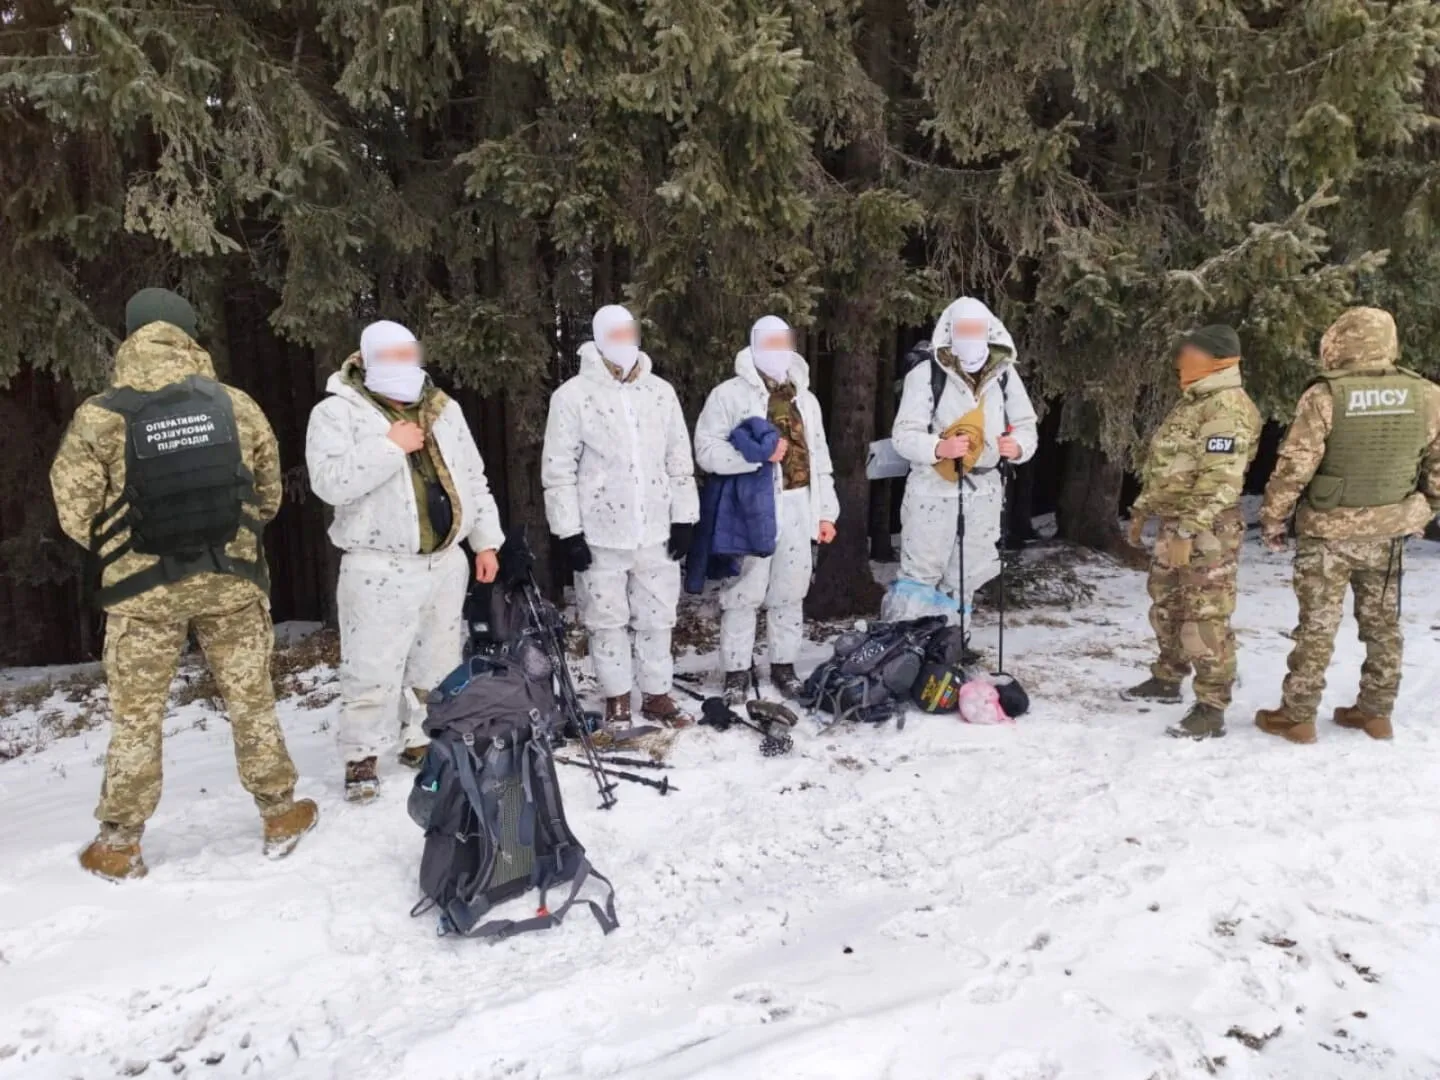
661	708
114	860
412	757
1152	689
784	679
362	783
1201	722
1278	722
283	831
1352	717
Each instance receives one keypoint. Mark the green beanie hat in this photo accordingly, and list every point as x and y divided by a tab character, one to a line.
159	305
1219	341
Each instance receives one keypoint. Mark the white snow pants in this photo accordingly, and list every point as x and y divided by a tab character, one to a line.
401	631
636	589
779	583
928	552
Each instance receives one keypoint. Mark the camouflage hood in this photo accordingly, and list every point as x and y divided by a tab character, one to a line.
157	355
1362	339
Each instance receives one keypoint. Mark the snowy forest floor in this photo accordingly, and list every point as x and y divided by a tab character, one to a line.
1074	897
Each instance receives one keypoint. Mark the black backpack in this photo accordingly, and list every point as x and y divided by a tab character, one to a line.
186	487
872	674
489	801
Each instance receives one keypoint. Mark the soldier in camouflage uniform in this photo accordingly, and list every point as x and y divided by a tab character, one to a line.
148	622
1360	469
1192	482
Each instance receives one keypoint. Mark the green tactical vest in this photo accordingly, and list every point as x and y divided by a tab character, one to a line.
1377	440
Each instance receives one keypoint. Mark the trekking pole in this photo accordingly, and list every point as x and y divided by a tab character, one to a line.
961	597
636	763
569	699
662	785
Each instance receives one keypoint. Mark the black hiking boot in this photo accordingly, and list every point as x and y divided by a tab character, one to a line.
1201	722
1153	689
737	688
784	679
362	783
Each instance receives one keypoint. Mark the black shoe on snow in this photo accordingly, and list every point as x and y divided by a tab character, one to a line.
1201	722
737	688
1156	690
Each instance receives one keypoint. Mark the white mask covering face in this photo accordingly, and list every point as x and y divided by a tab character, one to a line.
971	352
392	362
611	326
772	347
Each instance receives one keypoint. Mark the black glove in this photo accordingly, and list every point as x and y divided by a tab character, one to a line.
679	545
577	552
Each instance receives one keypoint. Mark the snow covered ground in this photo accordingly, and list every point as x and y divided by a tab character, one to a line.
1076	897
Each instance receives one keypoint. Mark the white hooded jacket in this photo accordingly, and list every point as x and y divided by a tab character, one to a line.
919	420
745	396
355	468
616	464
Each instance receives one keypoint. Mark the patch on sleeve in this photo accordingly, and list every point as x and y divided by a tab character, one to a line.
1220	444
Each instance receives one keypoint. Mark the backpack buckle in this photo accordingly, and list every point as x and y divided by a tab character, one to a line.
468	738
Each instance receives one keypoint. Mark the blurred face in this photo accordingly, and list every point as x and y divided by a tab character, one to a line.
970	330
408	353
1191	358
776	341
624	334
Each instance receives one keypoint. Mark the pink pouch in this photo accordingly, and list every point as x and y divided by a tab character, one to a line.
980	704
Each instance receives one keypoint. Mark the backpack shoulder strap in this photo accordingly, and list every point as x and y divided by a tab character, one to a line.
937	389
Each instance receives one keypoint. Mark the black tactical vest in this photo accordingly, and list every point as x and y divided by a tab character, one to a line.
186	488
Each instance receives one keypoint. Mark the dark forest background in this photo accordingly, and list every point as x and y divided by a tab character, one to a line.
1105	173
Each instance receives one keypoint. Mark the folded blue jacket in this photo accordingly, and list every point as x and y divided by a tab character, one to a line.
737	513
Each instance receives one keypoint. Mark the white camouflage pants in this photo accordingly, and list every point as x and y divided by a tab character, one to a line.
928	552
622	590
779	583
401	631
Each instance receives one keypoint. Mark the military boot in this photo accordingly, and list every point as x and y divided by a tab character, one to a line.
1153	689
737	688
114	854
1201	722
1280	722
283	831
784	679
661	709
362	783
412	757
617	712
1352	717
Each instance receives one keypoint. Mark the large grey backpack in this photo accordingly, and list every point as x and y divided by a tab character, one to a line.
489	802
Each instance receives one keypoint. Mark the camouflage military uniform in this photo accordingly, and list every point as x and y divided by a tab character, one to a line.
1355	547
145	634
1192	481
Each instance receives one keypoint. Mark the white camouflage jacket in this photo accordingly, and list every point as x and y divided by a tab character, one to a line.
616	464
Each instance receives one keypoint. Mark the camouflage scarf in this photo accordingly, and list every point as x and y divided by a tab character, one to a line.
784	412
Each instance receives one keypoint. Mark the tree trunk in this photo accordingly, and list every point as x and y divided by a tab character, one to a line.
843	583
882	541
1089	508
1020	508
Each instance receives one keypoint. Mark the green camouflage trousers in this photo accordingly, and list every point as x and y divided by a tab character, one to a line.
140	661
1324	569
1191	608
